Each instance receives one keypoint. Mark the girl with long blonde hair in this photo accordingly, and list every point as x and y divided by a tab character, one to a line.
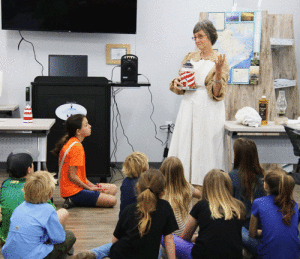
179	192
142	224
279	217
219	217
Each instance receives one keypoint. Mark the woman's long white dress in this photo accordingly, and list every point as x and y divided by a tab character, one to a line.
198	137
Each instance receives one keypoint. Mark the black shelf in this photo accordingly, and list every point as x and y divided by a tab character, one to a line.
119	84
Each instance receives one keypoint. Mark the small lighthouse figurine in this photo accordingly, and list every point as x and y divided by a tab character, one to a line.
27	111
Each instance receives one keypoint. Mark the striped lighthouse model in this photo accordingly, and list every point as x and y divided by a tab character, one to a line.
27	114
187	75
27	118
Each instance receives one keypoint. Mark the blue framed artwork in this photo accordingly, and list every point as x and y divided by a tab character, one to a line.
239	35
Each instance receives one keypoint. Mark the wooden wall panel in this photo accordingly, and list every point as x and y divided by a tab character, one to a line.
273	64
284	60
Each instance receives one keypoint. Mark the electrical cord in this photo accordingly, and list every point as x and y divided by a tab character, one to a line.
112	72
116	118
114	131
170	128
115	173
119	114
23	39
151	99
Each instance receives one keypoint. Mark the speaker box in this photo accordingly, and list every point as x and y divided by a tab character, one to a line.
129	68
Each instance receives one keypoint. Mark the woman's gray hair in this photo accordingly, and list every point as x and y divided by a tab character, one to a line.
209	29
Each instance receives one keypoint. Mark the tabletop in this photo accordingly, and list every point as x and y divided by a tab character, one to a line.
233	126
17	124
9	107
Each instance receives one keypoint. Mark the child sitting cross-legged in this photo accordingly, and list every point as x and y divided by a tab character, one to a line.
279	217
179	193
141	225
19	167
219	217
135	164
35	230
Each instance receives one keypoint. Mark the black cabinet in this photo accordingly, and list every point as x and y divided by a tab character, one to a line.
93	93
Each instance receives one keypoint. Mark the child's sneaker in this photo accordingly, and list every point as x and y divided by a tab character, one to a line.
68	203
85	255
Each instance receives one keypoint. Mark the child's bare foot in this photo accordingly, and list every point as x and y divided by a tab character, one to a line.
85	255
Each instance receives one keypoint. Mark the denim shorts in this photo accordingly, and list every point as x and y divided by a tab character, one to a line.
85	198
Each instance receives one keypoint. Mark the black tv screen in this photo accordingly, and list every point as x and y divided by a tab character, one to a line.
102	16
68	65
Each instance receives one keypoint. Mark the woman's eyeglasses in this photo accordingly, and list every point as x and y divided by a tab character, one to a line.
200	37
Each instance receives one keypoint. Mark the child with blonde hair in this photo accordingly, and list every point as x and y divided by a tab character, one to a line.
19	167
179	192
279	217
219	217
134	165
141	225
35	230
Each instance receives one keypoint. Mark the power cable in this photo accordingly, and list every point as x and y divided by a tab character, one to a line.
23	39
151	99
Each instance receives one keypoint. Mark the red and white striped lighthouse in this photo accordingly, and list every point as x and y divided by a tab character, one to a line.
27	115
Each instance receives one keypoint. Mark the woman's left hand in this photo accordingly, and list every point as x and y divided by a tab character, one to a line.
220	62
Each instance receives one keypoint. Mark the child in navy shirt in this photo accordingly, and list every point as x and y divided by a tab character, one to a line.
134	165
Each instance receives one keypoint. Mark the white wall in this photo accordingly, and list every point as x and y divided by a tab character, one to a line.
164	31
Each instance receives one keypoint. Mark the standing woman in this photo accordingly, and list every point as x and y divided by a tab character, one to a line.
198	138
74	186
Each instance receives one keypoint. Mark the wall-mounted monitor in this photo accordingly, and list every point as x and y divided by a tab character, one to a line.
99	16
68	65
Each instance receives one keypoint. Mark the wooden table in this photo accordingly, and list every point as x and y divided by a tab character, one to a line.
273	144
16	135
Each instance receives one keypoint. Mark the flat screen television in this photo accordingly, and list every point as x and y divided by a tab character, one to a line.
68	65
96	16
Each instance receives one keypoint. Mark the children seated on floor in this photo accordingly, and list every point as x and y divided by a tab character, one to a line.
35	230
247	180
74	185
279	217
179	193
134	165
247	175
220	218
19	167
141	225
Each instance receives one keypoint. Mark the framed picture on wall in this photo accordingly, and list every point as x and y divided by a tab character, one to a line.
114	52
218	19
